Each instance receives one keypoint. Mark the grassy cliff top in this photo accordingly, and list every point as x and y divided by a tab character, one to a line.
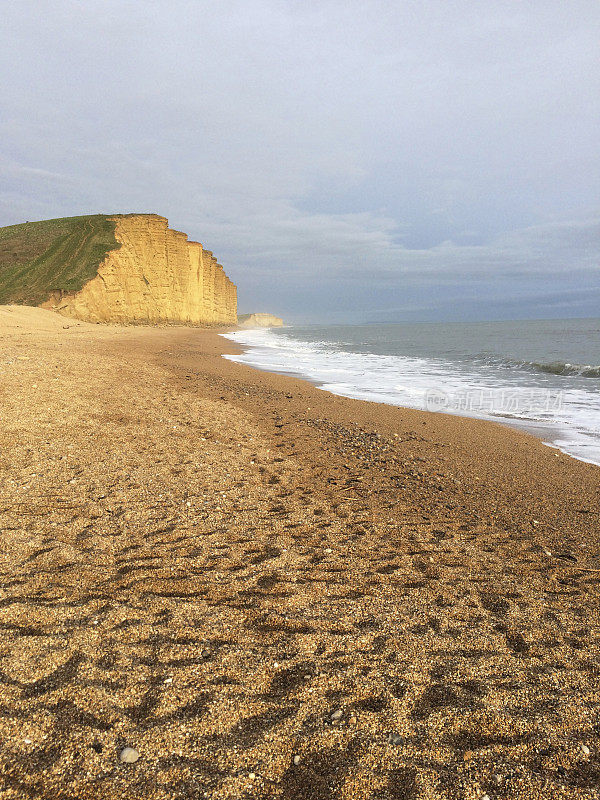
37	258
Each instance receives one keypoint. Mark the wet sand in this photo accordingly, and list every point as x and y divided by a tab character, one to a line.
232	571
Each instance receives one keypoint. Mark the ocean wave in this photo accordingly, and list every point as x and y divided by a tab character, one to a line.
561	368
546	367
482	386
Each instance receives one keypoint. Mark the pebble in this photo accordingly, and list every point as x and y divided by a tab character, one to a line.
337	714
395	738
297	760
548	552
252	776
328	550
485	797
497	779
585	749
129	755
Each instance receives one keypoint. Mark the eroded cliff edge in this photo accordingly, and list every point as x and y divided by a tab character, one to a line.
155	275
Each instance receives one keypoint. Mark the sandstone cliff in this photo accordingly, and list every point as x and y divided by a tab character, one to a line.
259	321
155	275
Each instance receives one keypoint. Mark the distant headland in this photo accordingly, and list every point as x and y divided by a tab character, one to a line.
260	320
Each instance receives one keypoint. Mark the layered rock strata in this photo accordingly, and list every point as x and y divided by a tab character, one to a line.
156	275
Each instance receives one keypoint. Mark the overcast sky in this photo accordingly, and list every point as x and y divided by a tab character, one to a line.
345	160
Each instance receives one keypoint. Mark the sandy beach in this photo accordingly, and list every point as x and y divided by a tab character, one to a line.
268	591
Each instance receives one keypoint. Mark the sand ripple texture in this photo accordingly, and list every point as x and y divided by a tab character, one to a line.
267	592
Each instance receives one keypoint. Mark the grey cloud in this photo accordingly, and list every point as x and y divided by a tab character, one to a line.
395	146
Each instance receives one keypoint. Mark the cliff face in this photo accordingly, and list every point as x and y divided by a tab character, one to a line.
156	275
259	321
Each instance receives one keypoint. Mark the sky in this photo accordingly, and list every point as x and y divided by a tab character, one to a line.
346	161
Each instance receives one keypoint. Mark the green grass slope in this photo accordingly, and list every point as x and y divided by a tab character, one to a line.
38	258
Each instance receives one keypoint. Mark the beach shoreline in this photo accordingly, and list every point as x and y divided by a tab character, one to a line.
540	430
556	437
271	591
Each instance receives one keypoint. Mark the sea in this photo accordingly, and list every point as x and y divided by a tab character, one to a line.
540	375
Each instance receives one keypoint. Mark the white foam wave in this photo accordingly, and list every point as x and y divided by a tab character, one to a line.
569	419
